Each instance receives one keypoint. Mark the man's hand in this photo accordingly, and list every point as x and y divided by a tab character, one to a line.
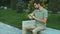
30	16
40	20
33	17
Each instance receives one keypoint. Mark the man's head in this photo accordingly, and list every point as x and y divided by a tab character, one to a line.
37	4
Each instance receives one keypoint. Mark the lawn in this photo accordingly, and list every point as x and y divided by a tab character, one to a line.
15	19
10	17
54	21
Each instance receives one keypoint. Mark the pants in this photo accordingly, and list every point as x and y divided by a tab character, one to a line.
35	29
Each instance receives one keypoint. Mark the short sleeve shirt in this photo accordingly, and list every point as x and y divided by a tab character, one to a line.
40	14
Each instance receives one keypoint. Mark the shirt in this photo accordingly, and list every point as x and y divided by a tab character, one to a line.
40	13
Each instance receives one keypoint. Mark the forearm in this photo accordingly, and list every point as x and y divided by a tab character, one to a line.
29	17
40	20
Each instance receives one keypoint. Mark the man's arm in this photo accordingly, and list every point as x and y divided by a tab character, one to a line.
41	20
30	16
44	19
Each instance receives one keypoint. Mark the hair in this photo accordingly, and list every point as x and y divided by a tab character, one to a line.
37	2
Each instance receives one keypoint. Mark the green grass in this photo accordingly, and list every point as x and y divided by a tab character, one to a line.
10	17
15	19
54	21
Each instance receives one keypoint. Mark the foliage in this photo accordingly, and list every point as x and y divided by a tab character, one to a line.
31	8
54	5
4	2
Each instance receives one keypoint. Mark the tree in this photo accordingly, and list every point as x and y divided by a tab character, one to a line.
4	2
44	3
13	4
54	6
20	6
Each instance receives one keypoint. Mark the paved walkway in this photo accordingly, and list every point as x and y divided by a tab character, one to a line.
50	31
7	29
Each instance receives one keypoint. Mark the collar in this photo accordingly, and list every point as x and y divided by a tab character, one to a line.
40	8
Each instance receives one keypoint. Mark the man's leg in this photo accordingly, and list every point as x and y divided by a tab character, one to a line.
37	29
24	29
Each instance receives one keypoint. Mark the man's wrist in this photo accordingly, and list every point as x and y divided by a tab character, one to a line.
34	17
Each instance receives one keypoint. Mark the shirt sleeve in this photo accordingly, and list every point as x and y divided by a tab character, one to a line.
46	13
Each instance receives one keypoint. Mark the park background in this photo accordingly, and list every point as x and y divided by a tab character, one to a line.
13	12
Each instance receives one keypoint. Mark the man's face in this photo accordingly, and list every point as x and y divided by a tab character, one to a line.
36	5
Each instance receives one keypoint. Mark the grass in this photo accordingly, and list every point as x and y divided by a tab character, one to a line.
15	19
54	21
10	17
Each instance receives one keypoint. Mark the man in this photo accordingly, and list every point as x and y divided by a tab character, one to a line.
40	15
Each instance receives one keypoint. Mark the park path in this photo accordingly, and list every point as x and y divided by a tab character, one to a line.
7	29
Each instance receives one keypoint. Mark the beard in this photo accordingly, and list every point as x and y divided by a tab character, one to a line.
37	8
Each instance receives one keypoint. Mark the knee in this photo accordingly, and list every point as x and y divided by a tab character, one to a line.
24	28
34	31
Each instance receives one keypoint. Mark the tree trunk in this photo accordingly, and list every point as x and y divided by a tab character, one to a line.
13	4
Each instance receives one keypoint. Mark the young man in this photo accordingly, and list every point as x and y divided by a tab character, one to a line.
40	15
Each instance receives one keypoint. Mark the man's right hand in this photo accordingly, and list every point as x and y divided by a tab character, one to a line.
30	16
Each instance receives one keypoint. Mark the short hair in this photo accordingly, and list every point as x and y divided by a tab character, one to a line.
37	1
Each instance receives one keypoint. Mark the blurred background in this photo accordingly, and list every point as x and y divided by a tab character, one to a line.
13	12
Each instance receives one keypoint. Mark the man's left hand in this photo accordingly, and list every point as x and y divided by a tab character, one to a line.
33	17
